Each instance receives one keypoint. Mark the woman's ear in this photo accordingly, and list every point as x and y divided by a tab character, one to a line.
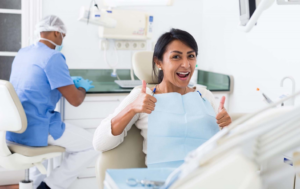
157	62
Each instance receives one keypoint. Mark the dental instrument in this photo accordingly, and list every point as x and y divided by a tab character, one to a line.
265	96
147	183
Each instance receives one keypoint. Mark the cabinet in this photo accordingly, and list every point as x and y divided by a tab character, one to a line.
89	115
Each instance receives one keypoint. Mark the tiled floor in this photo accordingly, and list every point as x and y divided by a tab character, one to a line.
10	187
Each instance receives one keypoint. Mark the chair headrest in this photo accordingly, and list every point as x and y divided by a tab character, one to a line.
12	114
142	66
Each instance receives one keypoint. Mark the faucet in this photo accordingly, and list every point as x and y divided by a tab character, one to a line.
293	86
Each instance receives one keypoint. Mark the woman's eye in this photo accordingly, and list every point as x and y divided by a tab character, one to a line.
176	56
192	56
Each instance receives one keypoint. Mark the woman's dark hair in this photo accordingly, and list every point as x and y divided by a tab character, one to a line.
164	41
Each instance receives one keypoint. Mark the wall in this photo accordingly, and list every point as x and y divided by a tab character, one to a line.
260	58
81	46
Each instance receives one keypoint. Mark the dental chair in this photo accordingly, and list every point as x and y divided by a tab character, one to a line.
130	153
15	156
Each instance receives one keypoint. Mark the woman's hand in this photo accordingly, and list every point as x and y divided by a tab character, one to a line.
223	118
144	103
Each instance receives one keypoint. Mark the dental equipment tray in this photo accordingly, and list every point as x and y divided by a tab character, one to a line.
118	178
128	83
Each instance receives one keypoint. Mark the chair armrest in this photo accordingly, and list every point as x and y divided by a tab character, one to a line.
129	154
236	116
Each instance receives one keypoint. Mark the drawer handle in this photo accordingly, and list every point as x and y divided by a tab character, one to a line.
86	177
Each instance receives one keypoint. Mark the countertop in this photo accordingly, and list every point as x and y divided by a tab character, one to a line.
104	82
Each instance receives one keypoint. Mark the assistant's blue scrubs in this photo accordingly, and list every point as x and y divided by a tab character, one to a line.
37	72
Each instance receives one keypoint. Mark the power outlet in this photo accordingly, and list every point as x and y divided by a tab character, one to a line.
131	45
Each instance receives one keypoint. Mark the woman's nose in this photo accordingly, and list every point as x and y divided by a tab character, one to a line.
186	63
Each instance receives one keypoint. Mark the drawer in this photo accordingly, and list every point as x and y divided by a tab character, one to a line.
93	163
91	130
91	110
87	183
85	123
87	173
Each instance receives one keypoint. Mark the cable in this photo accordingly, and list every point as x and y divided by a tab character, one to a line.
114	73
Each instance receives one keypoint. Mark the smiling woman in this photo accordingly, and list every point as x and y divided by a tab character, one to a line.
175	56
174	118
169	42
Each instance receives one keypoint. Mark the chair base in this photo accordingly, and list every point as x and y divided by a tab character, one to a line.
26	184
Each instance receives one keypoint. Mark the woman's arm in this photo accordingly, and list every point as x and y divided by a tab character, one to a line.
144	103
112	130
103	138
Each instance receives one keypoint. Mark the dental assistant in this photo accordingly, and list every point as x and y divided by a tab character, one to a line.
40	77
174	119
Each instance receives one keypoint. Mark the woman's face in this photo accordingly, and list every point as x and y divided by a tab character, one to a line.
178	64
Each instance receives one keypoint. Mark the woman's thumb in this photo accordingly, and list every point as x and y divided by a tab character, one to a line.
144	86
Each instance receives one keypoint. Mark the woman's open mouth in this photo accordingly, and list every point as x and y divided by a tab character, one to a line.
183	75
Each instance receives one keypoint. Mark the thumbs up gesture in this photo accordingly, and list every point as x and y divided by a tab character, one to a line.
144	103
223	118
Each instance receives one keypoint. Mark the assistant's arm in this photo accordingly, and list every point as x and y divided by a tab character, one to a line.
73	95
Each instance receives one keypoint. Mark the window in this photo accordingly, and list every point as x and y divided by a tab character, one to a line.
17	21
10	34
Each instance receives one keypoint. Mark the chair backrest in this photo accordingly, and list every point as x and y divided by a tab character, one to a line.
12	115
129	154
142	66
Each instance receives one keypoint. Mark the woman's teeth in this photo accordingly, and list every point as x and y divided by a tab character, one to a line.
183	74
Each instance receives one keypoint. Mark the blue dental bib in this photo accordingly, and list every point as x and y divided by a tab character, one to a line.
178	125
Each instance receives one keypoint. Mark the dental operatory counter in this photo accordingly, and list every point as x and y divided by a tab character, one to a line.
104	82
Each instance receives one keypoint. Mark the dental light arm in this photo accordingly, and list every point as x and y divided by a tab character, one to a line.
260	7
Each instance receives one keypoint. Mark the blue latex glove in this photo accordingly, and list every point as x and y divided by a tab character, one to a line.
84	83
76	78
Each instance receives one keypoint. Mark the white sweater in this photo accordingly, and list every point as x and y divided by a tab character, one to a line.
104	140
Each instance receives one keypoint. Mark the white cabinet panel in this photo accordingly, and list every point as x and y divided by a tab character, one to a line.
91	110
90	183
91	130
93	163
85	123
93	107
87	173
89	116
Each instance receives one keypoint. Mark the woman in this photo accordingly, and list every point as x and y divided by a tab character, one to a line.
174	119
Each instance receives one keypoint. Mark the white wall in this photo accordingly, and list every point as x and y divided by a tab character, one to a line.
81	46
256	59
260	58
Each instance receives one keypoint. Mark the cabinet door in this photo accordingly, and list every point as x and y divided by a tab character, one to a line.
94	107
